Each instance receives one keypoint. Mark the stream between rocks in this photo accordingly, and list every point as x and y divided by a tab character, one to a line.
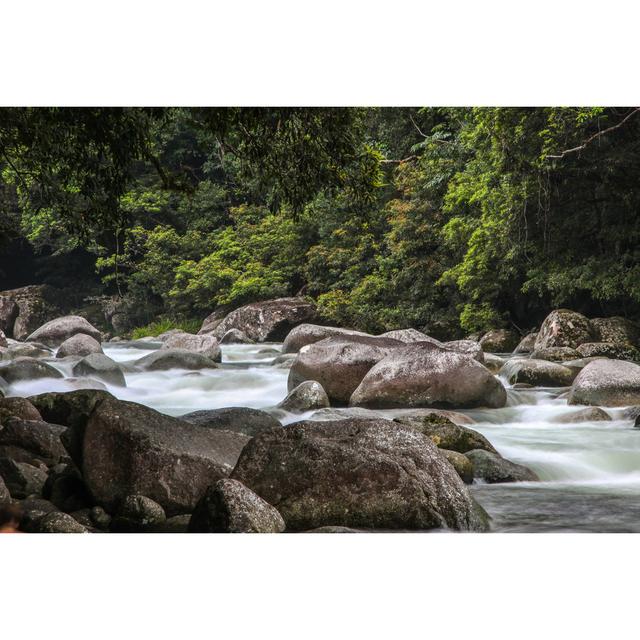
589	471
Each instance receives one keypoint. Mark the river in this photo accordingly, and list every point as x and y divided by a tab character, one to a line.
589	471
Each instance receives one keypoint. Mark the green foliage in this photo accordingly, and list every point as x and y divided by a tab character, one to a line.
165	324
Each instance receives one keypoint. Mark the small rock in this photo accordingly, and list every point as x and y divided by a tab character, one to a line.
136	514
460	463
592	414
165	359
79	345
100	366
499	341
58	522
307	396
205	345
493	468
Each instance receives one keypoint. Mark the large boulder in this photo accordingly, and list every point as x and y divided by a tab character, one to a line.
445	434
98	365
616	330
538	373
527	344
131	449
25	350
80	344
608	383
36	305
268	321
307	396
235	336
40	439
340	363
8	314
425	375
230	507
357	473
307	333
500	341
203	344
23	368
18	408
165	359
612	350
213	320
244	420
564	328
55	332
408	335
556	354
493	468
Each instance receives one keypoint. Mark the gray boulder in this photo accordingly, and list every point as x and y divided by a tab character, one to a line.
307	333
268	321
425	375
357	473
493	468
40	439
340	363
307	396
460	463
137	514
98	365
527	344
500	341
244	420
592	414
608	383
616	330
165	359
230	507
130	449
445	434
556	354
80	344
36	304
539	373
203	344
22	479
564	328
18	408
235	336
24	368
55	332
25	350
409	335
468	347
613	350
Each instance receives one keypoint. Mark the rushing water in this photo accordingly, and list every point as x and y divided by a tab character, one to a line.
590	471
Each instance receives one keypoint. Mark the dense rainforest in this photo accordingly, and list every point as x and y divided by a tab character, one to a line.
449	220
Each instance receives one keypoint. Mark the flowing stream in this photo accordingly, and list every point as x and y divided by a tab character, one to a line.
589	471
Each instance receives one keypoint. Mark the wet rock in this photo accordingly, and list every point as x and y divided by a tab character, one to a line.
27	350
615	351
460	463
564	328
284	361
21	479
230	507
500	341
468	347
493	468
357	473
235	336
98	365
608	383
130	449
340	363
539	373
593	414
268	321
58	522
22	369
80	344
39	438
18	408
424	375
137	514
244	420
307	396
36	304
493	362
165	359
55	332
556	354
8	315
616	330
409	335
307	333
445	434
527	344
203	344
71	409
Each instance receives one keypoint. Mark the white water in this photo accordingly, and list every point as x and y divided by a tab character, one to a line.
590	472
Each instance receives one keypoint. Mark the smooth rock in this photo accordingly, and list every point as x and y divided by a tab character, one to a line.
593	414
165	359
493	468
615	351
408	336
307	396
235	336
500	341
564	328
468	347
424	375
39	438
55	332
556	354
244	420
80	344
230	507
527	344
460	463
307	333
136	514
203	344
357	473
607	383
539	373
98	365
22	369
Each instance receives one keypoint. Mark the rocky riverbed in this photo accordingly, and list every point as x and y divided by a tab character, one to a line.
329	430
